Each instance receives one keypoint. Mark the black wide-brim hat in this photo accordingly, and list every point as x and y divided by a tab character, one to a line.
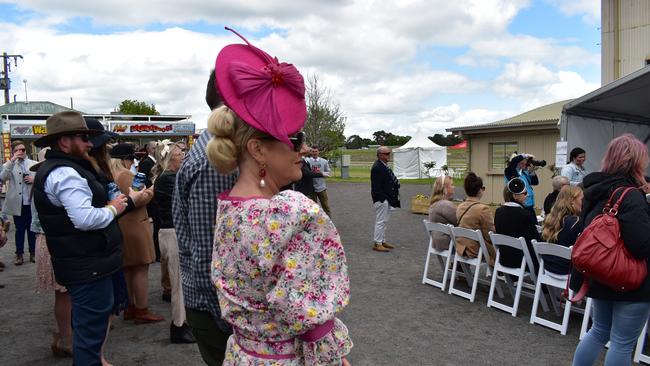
123	151
62	124
104	137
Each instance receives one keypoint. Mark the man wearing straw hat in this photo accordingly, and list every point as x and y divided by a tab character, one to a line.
82	234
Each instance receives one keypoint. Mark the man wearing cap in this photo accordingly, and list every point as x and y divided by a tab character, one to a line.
81	229
385	196
194	210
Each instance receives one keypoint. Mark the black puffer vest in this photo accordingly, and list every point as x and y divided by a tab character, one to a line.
77	256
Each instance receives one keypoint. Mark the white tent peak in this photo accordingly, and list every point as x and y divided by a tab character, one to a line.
419	141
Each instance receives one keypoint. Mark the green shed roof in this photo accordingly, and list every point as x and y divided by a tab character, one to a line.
548	114
32	108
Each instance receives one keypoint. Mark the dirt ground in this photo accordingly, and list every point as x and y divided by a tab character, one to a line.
393	319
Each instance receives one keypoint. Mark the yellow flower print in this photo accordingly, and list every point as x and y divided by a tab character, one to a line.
333	268
311	312
296	327
291	264
268	255
321	221
279	292
266	242
230	222
270	327
255	248
274	225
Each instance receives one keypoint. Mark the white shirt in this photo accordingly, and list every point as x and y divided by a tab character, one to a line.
66	188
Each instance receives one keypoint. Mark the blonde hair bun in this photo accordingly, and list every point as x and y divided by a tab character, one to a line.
221	150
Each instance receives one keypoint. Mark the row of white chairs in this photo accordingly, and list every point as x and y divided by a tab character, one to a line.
528	282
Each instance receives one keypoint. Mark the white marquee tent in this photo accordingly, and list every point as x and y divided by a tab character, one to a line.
408	160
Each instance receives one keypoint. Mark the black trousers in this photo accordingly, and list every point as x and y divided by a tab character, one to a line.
209	337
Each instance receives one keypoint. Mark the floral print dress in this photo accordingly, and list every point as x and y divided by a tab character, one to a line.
280	270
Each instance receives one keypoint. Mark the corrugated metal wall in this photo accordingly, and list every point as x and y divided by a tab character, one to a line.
625	37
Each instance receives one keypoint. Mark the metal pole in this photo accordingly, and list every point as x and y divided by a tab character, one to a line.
6	76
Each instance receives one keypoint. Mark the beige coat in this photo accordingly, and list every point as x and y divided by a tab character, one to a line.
137	247
13	175
443	212
478	217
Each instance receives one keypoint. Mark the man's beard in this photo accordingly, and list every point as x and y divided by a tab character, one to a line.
79	151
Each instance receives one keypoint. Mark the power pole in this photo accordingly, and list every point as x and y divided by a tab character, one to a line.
5	82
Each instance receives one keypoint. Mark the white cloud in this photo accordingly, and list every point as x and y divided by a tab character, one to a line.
534	85
367	52
588	9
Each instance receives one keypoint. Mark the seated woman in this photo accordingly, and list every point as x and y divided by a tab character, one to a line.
563	225
472	214
442	210
514	220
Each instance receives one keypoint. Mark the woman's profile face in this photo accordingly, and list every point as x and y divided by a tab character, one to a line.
577	203
283	164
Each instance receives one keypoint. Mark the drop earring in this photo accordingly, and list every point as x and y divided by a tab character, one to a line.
262	174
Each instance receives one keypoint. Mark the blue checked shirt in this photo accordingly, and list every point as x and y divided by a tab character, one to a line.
195	209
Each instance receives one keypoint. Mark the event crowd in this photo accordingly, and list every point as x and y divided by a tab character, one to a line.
251	263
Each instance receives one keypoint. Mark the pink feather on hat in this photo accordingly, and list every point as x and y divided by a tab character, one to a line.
266	94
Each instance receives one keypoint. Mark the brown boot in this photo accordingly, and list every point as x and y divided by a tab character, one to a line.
129	312
380	248
144	316
19	260
387	246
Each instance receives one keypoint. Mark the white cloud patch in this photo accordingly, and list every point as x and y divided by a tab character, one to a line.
589	10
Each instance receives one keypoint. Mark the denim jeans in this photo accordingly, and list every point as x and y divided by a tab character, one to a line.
92	305
615	321
23	223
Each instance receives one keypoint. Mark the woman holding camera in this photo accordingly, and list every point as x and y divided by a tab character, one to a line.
524	167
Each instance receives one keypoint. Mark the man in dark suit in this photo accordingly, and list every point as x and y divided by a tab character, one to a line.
148	162
306	184
385	196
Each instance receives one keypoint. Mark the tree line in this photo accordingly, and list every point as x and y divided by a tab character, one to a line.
389	139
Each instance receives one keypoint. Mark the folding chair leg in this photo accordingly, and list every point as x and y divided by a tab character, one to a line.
453	275
640	343
586	318
538	290
477	273
515	305
445	274
567	312
467	270
426	266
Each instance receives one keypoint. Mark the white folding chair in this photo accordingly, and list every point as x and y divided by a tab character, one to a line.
444	256
639	356
586	318
499	240
466	263
547	278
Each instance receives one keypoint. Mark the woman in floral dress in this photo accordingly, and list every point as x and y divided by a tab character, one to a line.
278	262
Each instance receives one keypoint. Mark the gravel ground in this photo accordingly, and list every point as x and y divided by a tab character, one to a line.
393	319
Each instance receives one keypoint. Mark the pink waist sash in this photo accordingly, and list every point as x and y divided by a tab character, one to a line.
280	350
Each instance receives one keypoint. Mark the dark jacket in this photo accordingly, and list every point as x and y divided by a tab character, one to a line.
306	184
77	256
145	166
516	222
634	219
163	197
383	184
571	228
549	201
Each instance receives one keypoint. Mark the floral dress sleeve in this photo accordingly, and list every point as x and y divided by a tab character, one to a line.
312	285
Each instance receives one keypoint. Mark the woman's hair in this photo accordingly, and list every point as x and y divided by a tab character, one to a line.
439	188
230	136
164	151
15	143
473	184
626	156
99	159
562	208
575	152
116	165
507	195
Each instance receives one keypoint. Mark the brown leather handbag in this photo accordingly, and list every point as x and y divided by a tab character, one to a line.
600	254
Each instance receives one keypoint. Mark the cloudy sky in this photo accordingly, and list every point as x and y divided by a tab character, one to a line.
394	65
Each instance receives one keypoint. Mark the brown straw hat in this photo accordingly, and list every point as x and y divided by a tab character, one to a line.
64	123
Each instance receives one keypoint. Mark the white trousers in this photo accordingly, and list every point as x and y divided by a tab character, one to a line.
382	214
169	250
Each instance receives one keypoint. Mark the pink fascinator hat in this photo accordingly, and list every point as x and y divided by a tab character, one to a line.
266	94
